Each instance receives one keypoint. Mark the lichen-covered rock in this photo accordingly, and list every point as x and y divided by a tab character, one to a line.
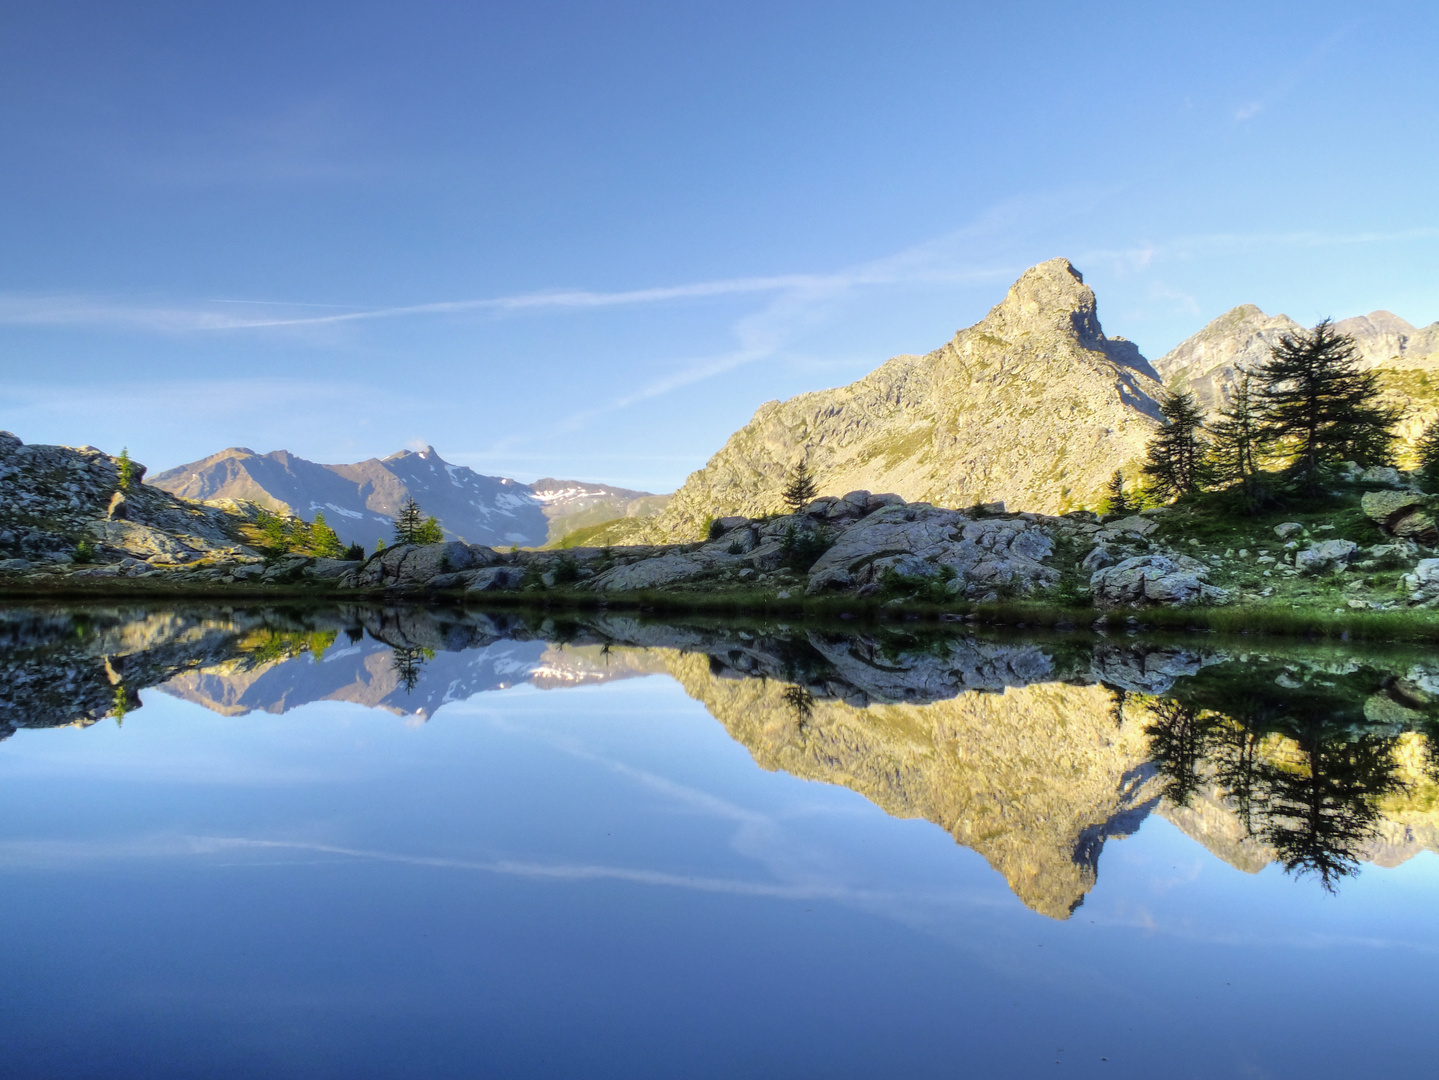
1155	579
1417	526
662	570
1385	508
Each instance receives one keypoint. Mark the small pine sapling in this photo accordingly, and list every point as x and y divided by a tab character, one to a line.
801	488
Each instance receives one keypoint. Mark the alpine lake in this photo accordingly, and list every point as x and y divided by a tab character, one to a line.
376	841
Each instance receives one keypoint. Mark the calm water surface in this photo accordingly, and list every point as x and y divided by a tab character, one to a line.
383	842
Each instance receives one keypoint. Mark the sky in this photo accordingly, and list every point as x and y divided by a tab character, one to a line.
588	240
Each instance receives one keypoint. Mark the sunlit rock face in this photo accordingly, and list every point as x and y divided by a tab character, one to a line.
1033	406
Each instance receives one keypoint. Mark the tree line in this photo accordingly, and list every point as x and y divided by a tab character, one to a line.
283	536
1306	409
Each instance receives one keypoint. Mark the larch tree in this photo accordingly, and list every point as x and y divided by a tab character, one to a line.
1116	499
408	523
1237	438
1175	460
801	488
1320	408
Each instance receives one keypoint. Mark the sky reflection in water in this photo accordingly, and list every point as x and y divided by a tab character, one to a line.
601	882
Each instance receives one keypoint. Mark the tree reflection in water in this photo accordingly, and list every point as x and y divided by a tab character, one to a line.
1300	781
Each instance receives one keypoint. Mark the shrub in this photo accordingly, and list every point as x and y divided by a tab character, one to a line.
355	553
566	570
800	548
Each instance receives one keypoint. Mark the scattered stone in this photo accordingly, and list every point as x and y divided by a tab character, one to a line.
1288	529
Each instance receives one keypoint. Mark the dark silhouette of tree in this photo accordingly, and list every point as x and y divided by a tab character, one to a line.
408	523
1320	407
801	488
1427	449
355	553
408	663
1178	741
801	701
1234	748
1319	817
1237	439
1116	500
1175	459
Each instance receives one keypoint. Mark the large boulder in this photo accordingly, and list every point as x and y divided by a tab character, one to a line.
1154	579
1382	474
922	541
672	568
1417	526
496	579
1386	508
408	565
1325	556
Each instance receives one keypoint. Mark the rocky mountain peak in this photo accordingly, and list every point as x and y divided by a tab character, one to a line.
1049	297
1033	406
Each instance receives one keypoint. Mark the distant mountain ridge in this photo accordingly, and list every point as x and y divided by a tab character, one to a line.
360	500
1405	357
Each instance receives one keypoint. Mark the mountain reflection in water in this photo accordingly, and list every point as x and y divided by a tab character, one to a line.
1030	752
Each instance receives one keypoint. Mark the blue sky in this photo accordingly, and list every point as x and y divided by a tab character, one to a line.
588	240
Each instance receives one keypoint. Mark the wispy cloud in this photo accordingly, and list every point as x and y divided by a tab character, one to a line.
19	309
1296	74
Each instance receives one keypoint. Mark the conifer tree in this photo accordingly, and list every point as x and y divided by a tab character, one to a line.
1427	449
1237	438
1320	407
1116	500
409	523
1176	454
276	535
430	532
125	468
801	488
324	541
300	539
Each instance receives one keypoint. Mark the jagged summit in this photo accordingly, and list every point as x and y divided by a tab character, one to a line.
1033	406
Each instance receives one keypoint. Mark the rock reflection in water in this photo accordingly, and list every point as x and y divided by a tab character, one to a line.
1032	753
